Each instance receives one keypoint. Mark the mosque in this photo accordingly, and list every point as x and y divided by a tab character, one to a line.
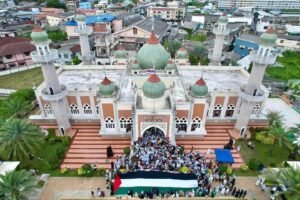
153	92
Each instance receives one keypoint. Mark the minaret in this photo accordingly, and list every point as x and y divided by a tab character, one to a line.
53	91
220	31
251	93
84	32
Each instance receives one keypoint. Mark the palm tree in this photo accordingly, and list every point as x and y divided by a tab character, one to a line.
14	107
275	117
280	135
288	177
18	139
14	185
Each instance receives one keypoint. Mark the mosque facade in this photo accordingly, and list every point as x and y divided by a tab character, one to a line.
151	92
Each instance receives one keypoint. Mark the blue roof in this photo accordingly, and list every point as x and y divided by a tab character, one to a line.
99	18
224	156
71	23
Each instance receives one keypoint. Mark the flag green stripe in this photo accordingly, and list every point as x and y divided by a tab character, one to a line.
124	190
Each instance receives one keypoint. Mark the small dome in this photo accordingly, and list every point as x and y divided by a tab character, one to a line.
223	19
181	53
106	88
134	66
121	52
154	88
268	38
200	89
153	54
80	18
39	35
171	65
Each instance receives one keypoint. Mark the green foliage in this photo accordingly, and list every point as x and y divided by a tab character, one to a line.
64	170
76	60
57	35
275	117
54	162
14	107
244	168
268	140
184	170
16	185
55	4
18	138
229	170
101	171
25	94
194	60
295	88
197	4
173	46
198	54
66	141
281	136
51	140
260	136
223	168
198	37
290	69
126	151
254	164
60	152
86	170
250	68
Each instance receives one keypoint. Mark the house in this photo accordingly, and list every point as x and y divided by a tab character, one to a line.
46	10
285	42
67	52
85	4
15	52
71	5
245	43
58	19
165	13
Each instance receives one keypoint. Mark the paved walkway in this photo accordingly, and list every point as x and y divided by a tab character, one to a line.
80	187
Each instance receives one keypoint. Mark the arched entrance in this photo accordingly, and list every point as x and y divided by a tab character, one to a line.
153	131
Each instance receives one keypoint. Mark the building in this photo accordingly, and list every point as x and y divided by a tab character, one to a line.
59	19
121	102
6	4
15	52
245	43
285	44
259	4
52	10
85	4
71	5
165	13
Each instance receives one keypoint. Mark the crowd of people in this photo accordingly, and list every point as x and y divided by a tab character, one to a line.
153	152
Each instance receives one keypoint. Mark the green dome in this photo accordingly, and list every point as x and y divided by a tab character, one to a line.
200	89
181	53
153	54
121	53
134	66
268	38
223	19
106	88
171	65
80	18
39	35
154	88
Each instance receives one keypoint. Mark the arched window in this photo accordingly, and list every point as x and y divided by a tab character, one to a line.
122	122
74	109
256	109
87	109
109	123
97	109
196	124
181	124
48	109
217	110
230	110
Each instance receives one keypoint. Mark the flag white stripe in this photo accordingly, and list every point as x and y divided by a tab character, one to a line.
142	182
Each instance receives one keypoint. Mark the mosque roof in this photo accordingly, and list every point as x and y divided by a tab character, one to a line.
269	37
39	35
93	19
154	88
199	88
71	23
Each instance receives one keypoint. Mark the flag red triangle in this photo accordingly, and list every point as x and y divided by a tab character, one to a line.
117	183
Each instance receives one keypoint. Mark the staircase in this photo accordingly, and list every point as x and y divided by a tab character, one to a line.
217	136
88	147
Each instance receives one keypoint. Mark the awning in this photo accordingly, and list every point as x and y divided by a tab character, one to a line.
224	156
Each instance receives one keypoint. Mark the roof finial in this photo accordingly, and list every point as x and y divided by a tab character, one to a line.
152	21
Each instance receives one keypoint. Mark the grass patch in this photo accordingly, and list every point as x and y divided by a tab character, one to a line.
290	69
269	155
248	173
23	79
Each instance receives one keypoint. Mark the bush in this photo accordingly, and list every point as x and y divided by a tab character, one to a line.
260	136
244	168
87	170
229	170
223	168
254	164
51	140
268	140
60	152
26	94
51	134
64	170
66	141
101	171
80	171
54	163
126	151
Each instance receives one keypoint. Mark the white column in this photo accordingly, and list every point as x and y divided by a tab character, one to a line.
93	105
237	107
117	119
78	100
102	122
224	107
211	106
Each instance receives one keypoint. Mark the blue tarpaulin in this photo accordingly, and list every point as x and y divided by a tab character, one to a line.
224	156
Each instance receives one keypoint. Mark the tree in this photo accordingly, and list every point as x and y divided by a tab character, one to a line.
19	138
55	4
14	185
26	94
280	135
255	17
135	2
173	47
288	177
15	107
76	60
275	117
198	37
199	54
57	35
194	60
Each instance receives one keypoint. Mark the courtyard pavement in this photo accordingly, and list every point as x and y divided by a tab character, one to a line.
80	187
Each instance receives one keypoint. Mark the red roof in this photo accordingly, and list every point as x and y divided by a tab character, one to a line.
271	30
15	45
37	29
200	82
106	81
153	39
154	78
75	48
182	49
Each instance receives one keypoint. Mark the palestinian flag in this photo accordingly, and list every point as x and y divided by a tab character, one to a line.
150	180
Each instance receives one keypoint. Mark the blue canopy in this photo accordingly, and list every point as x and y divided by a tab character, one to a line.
224	156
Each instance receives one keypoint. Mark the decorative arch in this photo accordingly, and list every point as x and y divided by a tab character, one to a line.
196	123
230	110
153	126
109	123
217	110
74	109
48	109
256	109
87	109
